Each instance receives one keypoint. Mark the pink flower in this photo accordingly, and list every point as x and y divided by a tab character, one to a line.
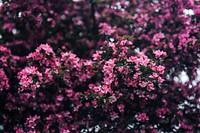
44	56
105	89
106	29
97	89
136	75
112	99
31	121
120	107
159	53
4	84
157	37
78	0
108	71
132	59
109	65
69	92
97	55
94	103
64	130
154	75
140	59
113	115
161	112
59	98
160	79
29	78
46	48
143	59
151	86
143	84
9	26
19	130
160	69
142	117
4	50
70	60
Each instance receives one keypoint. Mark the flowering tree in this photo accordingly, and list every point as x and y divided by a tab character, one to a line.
99	66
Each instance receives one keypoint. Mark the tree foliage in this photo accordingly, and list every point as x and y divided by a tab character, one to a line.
99	66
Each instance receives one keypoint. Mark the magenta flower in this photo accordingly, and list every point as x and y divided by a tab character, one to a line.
106	29
30	78
4	82
142	117
159	53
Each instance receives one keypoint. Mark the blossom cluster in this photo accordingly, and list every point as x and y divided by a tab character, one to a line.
4	83
30	78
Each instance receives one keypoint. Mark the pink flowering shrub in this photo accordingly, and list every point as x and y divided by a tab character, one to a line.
99	66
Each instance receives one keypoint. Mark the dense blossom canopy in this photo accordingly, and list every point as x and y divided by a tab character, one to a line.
99	66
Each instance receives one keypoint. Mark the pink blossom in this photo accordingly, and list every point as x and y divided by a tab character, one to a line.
19	130
94	103
106	29
60	98
77	0
9	26
142	117
160	69
28	76
159	53
112	99
114	115
120	107
157	37
4	82
143	84
47	49
160	79
31	121
161	112
105	89
136	75
154	75
4	50
143	59
97	55
108	71
151	87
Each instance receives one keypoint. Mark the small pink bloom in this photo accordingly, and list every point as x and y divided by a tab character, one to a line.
112	99
161	112
159	53
59	97
160	69
120	107
157	37
142	117
151	87
105	89
114	115
28	76
106	29
94	103
47	49
4	81
97	55
31	121
154	75
143	84
160	80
